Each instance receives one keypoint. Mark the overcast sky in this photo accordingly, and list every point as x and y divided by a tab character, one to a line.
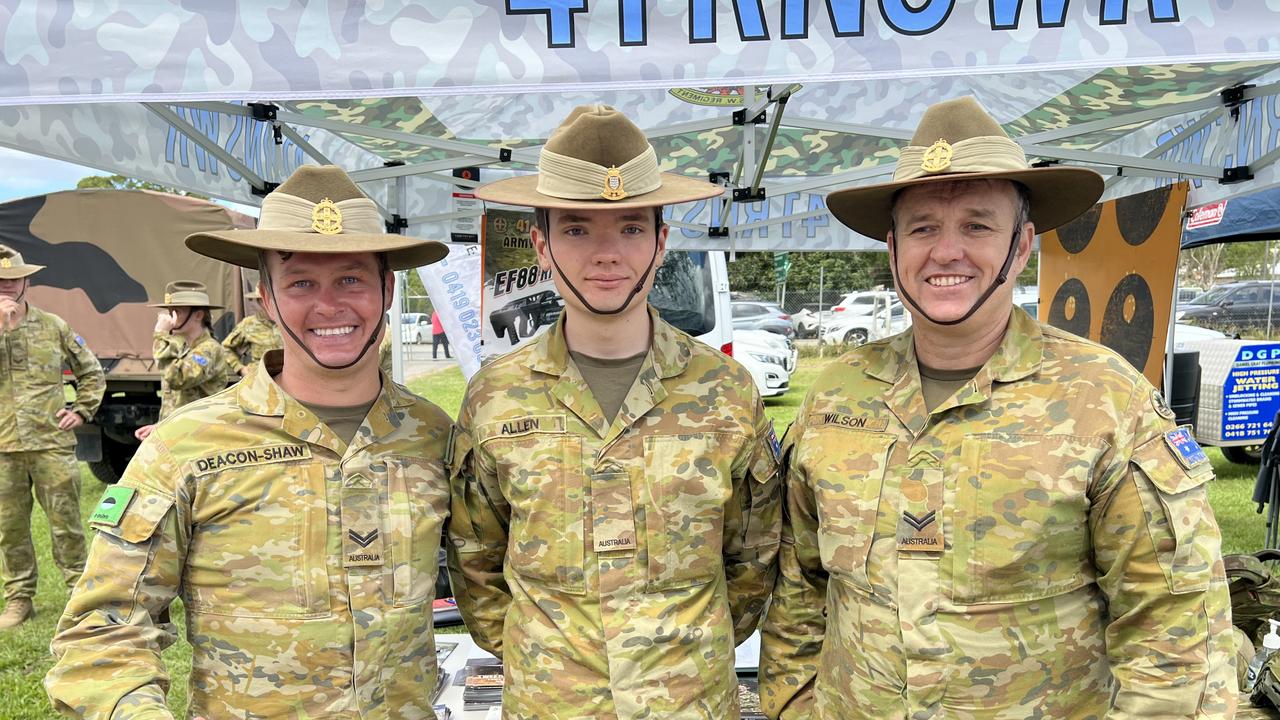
23	174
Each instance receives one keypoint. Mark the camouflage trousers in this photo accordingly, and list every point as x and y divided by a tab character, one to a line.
55	476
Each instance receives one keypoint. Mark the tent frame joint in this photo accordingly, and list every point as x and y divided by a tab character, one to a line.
748	194
504	155
265	190
740	117
398	224
1234	96
263	111
1237	174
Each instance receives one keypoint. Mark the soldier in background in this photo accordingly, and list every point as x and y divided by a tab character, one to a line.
37	438
615	494
989	517
251	338
192	364
298	514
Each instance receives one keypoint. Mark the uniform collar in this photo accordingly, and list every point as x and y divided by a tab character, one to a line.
894	361
669	351
1020	353
259	394
668	356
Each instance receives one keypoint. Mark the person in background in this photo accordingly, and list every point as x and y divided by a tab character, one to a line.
37	436
192	364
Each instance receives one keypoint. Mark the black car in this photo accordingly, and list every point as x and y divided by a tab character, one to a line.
1237	306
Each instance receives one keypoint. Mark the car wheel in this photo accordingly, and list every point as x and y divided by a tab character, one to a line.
1243	454
856	336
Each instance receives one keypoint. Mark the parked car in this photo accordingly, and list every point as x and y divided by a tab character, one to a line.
777	344
415	327
808	319
1188	293
877	316
769	357
861	302
1247	305
761	315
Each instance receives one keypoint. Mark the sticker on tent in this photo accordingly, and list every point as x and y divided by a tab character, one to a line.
1207	215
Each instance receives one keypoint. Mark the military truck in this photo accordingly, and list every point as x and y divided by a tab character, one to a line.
107	254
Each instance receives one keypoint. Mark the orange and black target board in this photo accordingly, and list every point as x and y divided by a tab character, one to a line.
1108	275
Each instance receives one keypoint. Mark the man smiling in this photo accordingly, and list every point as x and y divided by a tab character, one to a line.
615	510
298	514
989	517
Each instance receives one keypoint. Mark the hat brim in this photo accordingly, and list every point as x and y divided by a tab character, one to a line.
19	271
1058	196
523	190
241	247
186	305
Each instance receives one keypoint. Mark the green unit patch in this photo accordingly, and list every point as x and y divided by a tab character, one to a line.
112	506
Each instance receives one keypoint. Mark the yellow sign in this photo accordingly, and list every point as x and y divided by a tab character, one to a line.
326	218
613	189
937	158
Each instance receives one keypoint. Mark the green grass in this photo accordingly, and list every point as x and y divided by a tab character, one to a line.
24	653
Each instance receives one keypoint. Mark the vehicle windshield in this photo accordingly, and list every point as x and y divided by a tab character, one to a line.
682	292
1212	297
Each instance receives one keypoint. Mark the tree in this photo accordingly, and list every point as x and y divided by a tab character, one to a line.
1201	266
120	182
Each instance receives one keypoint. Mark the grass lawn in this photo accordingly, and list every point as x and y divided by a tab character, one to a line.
24	653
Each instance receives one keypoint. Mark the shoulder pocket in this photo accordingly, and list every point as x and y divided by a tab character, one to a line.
140	519
1179	518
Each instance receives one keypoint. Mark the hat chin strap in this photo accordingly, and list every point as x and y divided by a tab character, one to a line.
190	312
1000	280
368	344
634	291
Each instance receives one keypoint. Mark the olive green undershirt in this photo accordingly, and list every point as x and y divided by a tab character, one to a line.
938	385
609	380
344	421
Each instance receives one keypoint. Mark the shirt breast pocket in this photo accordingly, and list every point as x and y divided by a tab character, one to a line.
258	543
690	480
541	475
846	470
1020	519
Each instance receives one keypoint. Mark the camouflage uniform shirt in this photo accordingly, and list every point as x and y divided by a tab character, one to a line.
188	373
254	336
614	567
1040	546
307	567
31	382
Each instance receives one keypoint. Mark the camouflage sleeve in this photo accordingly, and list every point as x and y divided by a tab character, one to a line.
195	367
797	620
478	524
752	527
116	623
234	344
91	383
1157	549
166	348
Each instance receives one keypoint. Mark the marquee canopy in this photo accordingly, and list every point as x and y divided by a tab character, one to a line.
782	99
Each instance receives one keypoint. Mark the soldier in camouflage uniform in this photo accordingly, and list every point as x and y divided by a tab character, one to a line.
251	338
192	364
989	517
614	532
37	442
298	514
